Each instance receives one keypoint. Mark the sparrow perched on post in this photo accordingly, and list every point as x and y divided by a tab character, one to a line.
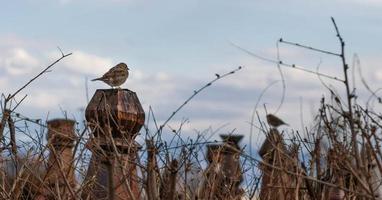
116	76
275	121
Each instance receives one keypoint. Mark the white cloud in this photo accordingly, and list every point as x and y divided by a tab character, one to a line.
12	40
161	76
44	100
155	88
18	61
370	68
378	75
3	83
85	63
138	75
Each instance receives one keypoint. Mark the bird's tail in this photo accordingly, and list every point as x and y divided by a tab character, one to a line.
97	79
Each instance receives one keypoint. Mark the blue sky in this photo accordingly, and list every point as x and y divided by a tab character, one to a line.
174	47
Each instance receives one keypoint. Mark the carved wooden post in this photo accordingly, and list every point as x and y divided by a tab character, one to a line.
231	167
115	117
212	174
223	174
276	184
60	171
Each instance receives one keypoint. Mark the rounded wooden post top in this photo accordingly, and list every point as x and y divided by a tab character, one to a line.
61	131
232	140
116	110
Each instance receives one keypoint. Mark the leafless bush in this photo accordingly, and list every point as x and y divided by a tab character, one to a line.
338	157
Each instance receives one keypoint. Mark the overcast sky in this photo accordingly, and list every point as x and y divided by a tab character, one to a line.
174	47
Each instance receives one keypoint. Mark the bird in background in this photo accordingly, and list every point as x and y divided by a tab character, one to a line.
116	76
275	121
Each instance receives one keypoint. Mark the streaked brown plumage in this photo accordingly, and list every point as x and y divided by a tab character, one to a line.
275	121
116	76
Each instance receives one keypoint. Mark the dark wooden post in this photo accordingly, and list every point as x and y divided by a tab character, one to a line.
115	117
231	167
212	174
60	171
223	174
276	184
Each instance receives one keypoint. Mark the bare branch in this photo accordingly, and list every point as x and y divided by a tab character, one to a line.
281	63
196	92
38	75
310	48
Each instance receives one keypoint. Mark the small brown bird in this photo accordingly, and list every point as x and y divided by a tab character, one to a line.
116	76
275	121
